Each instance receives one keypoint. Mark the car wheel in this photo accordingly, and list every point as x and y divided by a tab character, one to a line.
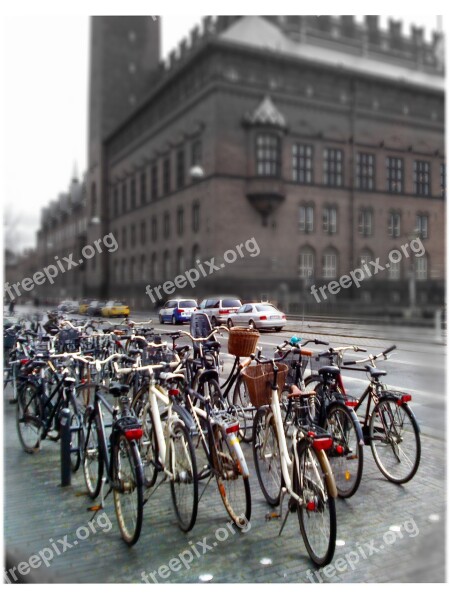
278	328
161	320
229	323
214	321
252	323
174	320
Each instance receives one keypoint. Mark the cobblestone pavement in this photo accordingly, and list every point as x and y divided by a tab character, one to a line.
388	533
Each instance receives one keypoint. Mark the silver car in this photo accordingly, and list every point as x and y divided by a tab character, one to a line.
259	315
219	308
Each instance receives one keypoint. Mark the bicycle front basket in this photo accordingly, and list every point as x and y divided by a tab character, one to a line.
259	378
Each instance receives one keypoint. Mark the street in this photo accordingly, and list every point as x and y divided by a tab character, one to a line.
385	532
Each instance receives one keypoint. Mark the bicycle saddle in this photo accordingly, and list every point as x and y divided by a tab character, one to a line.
210	345
296	392
376	372
330	371
118	389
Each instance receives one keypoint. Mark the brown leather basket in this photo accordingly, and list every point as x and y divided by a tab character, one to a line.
242	341
259	378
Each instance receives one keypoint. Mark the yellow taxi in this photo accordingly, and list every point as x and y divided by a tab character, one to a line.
114	308
83	306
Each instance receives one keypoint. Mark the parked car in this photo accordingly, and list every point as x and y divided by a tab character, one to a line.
68	306
115	308
95	308
260	315
177	311
219	308
83	306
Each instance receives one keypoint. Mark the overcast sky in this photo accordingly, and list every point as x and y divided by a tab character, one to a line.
45	104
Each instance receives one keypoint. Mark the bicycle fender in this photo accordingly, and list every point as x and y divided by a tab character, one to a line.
355	420
185	416
208	375
329	477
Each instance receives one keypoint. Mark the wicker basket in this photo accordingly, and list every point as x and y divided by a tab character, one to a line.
242	341
259	378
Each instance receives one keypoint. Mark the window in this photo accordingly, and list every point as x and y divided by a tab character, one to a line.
154	182
422	226
166	176
133	235
330	264
302	165
394	174
196	153
133	193
394	224
195	253
143	269
166	265
124	197
196	217
143	187
268	155
394	272
443	179
422	178
154	229
333	167
365	257
93	199
132	270
180	221
124	238
166	225
421	267
154	267
306	260
365	171
143	232
180	169
180	260
365	222
306	218
330	219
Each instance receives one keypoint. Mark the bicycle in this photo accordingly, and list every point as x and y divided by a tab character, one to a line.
120	460
390	428
306	474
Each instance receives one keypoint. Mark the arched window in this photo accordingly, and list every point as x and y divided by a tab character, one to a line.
180	261
330	263
154	267
166	265
421	265
268	155
195	253
306	262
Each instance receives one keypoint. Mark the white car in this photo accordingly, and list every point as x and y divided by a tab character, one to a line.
177	311
259	315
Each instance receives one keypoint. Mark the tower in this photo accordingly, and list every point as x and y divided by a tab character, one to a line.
124	56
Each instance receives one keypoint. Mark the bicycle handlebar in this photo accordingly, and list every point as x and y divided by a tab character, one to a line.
214	331
372	357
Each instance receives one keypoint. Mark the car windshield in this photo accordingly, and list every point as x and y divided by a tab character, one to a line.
231	303
266	308
188	304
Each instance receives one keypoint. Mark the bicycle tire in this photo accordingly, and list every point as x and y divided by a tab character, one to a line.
266	455
234	488
93	465
28	418
317	510
346	455
128	488
386	428
183	466
241	398
148	446
77	435
211	388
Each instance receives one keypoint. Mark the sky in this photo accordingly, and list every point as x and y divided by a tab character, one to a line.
45	76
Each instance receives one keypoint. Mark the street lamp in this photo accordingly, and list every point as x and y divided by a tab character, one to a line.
196	172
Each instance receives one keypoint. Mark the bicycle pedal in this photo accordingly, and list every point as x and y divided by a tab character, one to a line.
94	508
272	515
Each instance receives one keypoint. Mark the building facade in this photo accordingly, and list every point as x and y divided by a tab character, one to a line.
321	138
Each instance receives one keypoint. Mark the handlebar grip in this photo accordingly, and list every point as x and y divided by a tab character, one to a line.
361	350
316	341
390	349
349	362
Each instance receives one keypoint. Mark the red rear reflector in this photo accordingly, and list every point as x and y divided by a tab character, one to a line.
232	428
24	361
351	403
174	392
322	443
311	505
224	312
133	434
263	318
404	398
339	449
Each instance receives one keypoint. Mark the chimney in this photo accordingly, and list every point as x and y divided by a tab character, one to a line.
373	29
348	26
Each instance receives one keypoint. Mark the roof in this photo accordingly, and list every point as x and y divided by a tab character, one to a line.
259	33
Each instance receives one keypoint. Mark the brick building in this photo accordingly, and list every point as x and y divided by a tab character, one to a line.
320	137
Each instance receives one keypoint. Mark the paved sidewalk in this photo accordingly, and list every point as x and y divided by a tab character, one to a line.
38	512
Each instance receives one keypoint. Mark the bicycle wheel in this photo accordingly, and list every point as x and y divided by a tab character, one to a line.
77	436
92	459
241	398
28	418
211	388
266	454
184	484
128	489
346	454
317	510
234	488
148	447
395	440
